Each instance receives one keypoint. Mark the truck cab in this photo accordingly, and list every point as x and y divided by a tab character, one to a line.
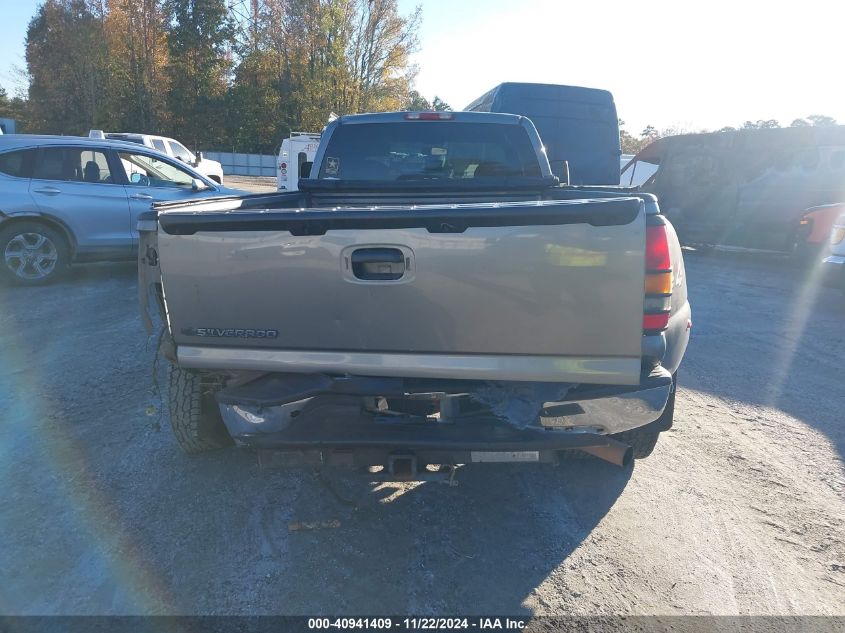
171	147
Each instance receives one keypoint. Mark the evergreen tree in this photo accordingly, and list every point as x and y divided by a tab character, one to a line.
65	56
199	41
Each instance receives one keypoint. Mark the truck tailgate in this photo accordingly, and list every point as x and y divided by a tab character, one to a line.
542	291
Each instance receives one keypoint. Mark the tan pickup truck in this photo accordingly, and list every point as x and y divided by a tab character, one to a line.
431	295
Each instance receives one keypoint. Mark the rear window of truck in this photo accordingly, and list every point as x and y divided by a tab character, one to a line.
428	150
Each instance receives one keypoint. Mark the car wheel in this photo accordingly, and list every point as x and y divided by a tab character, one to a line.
642	443
33	253
194	415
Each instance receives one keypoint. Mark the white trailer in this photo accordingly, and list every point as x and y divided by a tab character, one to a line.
299	148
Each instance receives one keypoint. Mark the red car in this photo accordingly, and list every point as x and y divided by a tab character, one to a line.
815	227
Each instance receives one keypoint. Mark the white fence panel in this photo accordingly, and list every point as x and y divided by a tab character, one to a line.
236	164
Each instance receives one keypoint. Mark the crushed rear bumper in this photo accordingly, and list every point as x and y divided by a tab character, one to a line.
319	412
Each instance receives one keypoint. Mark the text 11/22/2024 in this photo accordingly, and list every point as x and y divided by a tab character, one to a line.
419	623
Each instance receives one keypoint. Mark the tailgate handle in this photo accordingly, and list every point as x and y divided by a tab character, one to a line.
378	264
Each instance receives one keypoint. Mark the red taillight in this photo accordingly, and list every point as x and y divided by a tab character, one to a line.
657	249
429	116
656	321
658	279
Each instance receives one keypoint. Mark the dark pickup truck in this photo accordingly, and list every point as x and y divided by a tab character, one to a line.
431	295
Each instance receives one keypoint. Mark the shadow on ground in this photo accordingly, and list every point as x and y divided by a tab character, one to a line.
480	547
101	512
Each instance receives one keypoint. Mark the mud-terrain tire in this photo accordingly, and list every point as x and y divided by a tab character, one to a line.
643	440
32	253
194	415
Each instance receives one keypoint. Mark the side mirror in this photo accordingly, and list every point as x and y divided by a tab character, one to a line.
198	158
305	169
138	178
198	185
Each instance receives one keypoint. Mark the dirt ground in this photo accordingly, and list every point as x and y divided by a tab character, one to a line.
740	510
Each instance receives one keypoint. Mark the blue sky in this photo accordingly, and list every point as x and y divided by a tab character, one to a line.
14	18
668	63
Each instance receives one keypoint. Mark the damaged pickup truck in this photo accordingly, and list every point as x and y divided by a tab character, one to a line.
431	296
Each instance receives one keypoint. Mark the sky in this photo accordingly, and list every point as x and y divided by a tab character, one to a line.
693	65
14	18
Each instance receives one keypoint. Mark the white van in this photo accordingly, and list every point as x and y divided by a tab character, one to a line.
173	148
298	149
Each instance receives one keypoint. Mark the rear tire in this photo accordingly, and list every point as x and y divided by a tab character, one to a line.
641	442
32	253
194	414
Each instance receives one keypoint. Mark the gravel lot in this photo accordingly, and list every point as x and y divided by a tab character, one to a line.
740	510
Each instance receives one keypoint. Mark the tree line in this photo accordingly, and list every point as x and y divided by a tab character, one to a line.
230	74
217	74
632	144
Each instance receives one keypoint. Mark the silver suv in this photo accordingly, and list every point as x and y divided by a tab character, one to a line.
70	199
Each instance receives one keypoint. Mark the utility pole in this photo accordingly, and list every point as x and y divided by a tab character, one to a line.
246	17
254	22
